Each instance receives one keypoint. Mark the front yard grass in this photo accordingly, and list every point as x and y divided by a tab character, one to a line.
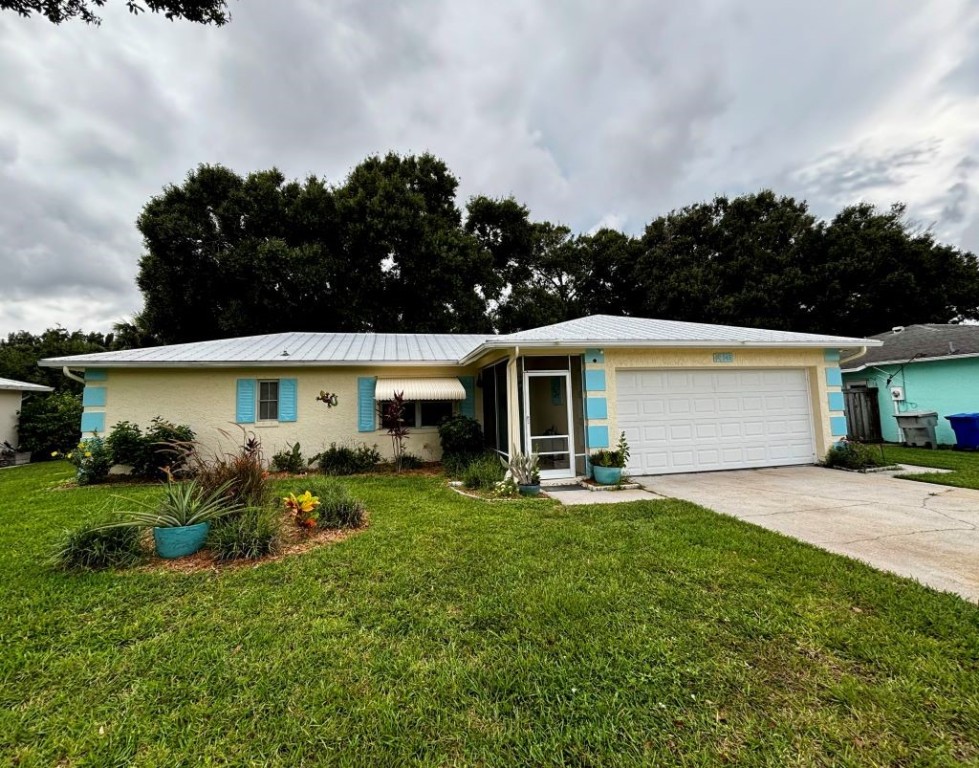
456	632
964	465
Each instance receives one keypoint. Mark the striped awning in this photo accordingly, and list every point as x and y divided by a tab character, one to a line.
420	389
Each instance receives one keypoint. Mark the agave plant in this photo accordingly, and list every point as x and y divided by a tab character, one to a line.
524	468
182	504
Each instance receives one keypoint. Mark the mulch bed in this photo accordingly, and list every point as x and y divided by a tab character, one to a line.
294	542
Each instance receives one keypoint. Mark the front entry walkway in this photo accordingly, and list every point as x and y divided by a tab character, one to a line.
924	531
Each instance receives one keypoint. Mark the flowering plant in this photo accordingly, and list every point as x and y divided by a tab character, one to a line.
303	508
92	460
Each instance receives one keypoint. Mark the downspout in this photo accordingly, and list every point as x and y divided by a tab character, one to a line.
72	376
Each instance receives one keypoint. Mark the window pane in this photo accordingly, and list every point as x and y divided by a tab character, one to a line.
409	414
433	411
268	401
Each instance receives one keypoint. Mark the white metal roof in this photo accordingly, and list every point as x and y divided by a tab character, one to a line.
23	386
287	349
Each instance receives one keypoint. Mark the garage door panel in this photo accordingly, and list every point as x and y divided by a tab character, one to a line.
686	421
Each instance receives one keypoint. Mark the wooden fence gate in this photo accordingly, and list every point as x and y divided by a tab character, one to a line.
862	415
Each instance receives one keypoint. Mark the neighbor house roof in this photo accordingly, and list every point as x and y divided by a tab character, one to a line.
285	349
23	386
917	343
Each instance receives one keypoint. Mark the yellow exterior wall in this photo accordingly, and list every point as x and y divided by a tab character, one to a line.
204	399
812	360
9	415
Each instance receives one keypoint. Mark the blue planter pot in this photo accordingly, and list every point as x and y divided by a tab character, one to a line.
607	475
529	490
180	541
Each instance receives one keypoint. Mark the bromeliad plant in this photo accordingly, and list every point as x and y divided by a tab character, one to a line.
183	504
303	509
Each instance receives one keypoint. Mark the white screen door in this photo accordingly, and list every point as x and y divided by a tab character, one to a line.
548	421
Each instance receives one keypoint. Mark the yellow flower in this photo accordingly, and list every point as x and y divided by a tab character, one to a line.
69	455
54	453
88	454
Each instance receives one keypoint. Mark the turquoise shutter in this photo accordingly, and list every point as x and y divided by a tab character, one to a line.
365	403
287	399
245	402
468	406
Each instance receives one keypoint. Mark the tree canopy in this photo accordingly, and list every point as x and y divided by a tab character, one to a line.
199	11
20	351
389	249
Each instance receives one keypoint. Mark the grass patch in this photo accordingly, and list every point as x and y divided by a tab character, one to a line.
452	632
964	465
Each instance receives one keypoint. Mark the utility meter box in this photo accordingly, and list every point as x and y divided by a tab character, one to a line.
897	394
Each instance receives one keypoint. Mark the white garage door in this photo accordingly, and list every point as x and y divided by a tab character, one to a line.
692	421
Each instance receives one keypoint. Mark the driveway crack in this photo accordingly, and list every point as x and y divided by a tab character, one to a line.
909	533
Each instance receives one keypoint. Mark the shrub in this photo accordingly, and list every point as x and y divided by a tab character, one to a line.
483	473
92	460
462	441
290	460
98	546
302	508
854	456
150	454
410	461
344	460
617	458
252	533
242	473
49	424
337	508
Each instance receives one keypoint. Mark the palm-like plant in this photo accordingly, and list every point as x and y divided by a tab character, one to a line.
182	504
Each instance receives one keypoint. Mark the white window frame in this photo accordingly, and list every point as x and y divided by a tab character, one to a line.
259	401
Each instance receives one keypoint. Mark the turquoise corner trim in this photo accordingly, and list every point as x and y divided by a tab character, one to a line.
94	396
96	374
838	426
594	355
93	422
833	377
596	408
594	381
836	401
597	437
831	355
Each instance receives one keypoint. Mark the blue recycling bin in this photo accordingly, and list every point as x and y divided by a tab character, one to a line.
966	429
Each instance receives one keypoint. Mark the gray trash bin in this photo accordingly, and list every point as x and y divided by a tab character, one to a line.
918	428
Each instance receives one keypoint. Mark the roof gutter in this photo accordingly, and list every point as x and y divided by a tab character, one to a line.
908	362
661	344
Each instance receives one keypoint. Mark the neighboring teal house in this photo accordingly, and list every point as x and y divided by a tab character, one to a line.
918	368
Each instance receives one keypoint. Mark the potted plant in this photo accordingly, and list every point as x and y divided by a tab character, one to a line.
182	519
607	465
525	470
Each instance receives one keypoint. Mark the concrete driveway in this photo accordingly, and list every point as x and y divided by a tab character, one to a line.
928	532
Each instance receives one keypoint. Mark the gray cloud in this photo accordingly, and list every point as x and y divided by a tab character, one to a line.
587	112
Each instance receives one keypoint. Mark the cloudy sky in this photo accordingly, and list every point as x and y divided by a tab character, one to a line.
590	113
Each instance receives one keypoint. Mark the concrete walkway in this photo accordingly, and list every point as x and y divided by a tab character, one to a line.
575	494
928	532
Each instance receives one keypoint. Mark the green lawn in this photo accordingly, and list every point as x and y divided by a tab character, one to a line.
456	632
965	465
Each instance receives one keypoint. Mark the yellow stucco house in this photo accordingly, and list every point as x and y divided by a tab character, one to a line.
690	397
